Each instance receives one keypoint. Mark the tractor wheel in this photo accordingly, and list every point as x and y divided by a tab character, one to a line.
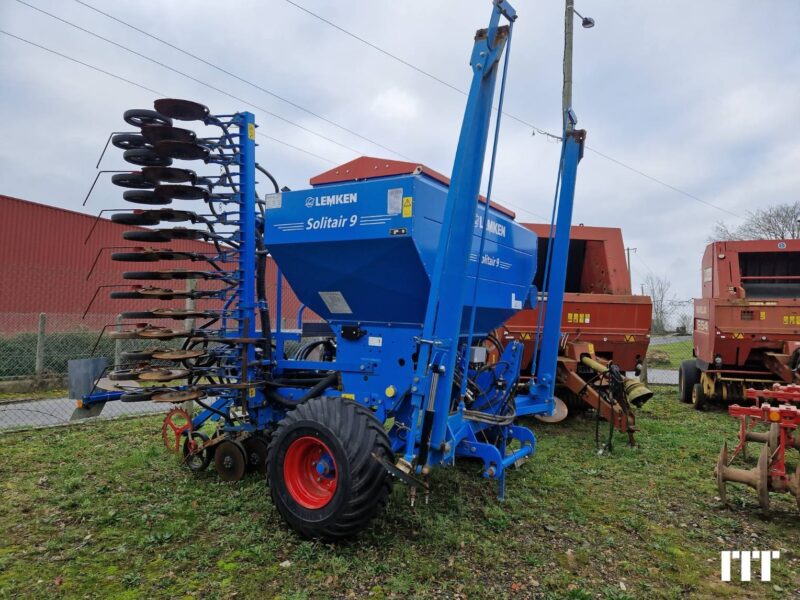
321	468
698	396
688	375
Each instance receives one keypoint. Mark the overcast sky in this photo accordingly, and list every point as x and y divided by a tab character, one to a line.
703	96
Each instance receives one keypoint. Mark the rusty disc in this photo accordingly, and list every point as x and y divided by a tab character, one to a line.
762	486
177	397
177	354
719	472
160	333
107	385
163	374
176	423
560	412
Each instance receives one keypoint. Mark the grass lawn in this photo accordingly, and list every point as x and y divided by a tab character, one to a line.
102	510
677	352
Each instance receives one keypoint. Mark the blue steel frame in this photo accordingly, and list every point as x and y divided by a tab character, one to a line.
431	433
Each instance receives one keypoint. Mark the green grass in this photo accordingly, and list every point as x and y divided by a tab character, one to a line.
102	511
677	352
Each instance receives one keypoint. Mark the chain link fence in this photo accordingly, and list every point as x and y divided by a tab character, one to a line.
670	341
36	347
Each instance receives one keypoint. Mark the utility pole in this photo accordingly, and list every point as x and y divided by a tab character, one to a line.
628	253
566	94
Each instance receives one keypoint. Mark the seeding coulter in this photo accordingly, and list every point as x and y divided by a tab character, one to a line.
398	379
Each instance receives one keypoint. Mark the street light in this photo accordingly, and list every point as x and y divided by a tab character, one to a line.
586	23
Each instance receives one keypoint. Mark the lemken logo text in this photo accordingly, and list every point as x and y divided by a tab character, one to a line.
492	226
332	200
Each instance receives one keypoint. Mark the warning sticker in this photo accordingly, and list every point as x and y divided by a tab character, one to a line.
375	340
394	201
336	303
408	205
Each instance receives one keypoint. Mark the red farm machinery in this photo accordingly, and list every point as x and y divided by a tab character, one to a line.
603	324
747	323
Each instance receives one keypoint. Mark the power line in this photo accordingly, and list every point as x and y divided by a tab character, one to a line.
242	79
520	120
196	80
144	87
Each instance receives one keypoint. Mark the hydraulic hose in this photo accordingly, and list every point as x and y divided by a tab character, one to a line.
311	393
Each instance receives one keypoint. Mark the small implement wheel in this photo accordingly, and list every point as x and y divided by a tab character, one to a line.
146	157
134	180
141	117
688	375
698	396
256	449
322	471
230	460
195	456
128	141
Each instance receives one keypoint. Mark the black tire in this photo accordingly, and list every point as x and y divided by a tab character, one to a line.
135	180
148	197
141	117
137	355
158	175
351	435
200	461
136	397
688	375
134	219
129	141
135	257
146	157
698	397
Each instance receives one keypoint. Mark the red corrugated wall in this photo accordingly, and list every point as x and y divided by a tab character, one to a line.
44	262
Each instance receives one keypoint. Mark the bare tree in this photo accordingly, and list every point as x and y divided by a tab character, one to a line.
658	290
777	222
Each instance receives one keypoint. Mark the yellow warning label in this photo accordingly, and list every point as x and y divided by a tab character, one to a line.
791	320
630	338
408	206
251	131
738	336
579	317
252	392
349	396
524	335
763	315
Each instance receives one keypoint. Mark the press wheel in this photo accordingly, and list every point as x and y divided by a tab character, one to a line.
195	457
230	460
256	449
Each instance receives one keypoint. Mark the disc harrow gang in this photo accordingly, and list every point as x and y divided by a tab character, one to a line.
198	361
779	409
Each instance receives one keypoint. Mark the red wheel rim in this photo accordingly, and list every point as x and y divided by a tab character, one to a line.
309	472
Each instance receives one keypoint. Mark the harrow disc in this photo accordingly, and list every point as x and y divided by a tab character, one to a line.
150	236
158	175
560	412
178	396
147	157
134	218
177	423
230	460
182	192
136	396
177	354
139	355
159	133
181	110
144	197
161	375
134	180
169	149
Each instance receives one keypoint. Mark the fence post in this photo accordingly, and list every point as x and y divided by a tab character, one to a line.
40	344
118	343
